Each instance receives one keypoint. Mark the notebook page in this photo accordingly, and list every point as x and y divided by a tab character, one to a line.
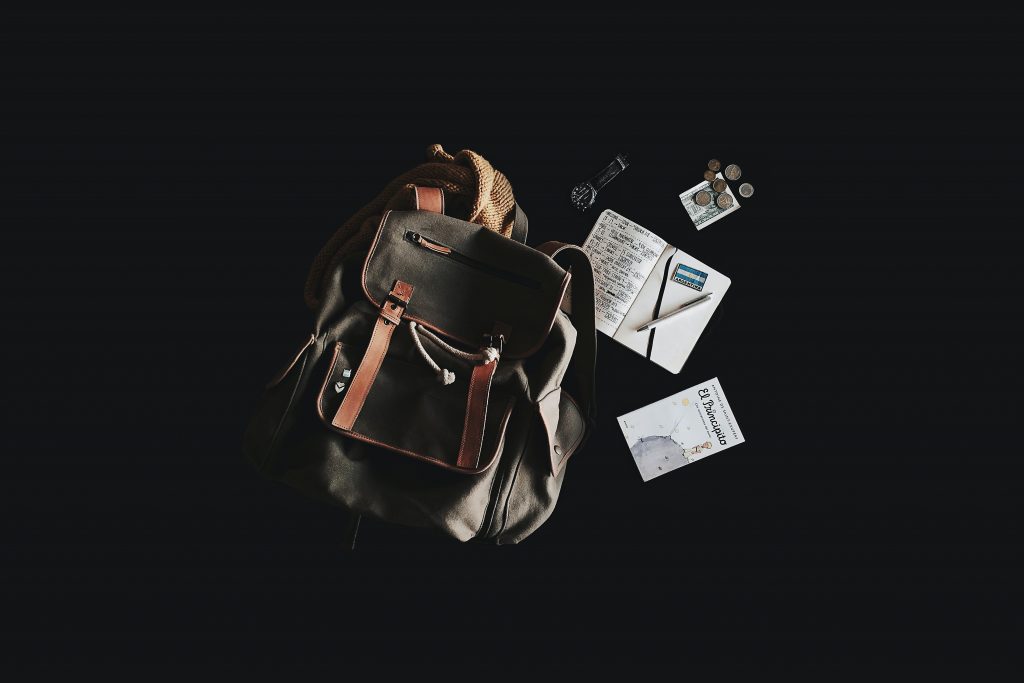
623	253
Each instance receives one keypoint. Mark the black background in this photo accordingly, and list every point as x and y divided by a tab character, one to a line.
168	178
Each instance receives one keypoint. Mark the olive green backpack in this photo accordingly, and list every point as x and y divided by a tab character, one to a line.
447	379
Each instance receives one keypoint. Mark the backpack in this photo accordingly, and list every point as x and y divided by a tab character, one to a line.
430	390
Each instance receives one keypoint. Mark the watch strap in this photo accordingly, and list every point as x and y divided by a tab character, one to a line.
617	166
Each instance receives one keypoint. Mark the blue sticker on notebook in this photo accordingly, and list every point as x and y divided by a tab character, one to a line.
691	277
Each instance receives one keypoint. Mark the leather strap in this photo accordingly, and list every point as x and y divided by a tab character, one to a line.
429	199
608	173
390	316
476	415
579	305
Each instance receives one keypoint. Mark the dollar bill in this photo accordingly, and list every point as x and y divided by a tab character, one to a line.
703	216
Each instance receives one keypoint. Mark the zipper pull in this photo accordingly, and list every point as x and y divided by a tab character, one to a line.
419	239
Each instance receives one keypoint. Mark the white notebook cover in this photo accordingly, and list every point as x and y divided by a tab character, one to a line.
674	339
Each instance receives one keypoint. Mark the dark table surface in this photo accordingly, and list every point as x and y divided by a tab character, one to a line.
168	179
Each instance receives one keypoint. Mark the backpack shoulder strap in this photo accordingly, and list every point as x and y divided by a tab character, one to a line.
520	226
579	305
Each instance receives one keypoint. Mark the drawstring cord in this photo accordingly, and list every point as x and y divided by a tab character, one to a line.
487	355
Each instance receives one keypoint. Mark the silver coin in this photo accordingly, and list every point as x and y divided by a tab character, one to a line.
719	185
702	198
715	165
733	172
709	176
724	201
746	190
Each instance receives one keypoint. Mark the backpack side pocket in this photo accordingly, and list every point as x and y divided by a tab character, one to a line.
272	414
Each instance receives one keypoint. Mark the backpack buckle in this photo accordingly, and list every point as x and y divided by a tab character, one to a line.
496	341
396	300
393	307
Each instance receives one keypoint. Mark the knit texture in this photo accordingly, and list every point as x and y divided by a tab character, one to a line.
468	180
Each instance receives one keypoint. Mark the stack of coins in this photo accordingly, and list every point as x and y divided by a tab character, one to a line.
719	188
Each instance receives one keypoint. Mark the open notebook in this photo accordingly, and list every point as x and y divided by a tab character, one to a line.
638	277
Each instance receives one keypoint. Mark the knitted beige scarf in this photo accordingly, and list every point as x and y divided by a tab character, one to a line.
474	191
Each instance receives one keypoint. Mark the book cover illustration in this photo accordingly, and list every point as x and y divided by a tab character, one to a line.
680	429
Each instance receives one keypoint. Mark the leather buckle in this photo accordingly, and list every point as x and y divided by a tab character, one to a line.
392	309
496	341
395	300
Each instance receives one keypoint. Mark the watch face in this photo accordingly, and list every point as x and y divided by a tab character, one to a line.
583	196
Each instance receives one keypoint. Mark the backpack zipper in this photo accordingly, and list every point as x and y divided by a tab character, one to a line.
446	251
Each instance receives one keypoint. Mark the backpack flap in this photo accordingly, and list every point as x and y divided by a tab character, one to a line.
480	300
470	282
